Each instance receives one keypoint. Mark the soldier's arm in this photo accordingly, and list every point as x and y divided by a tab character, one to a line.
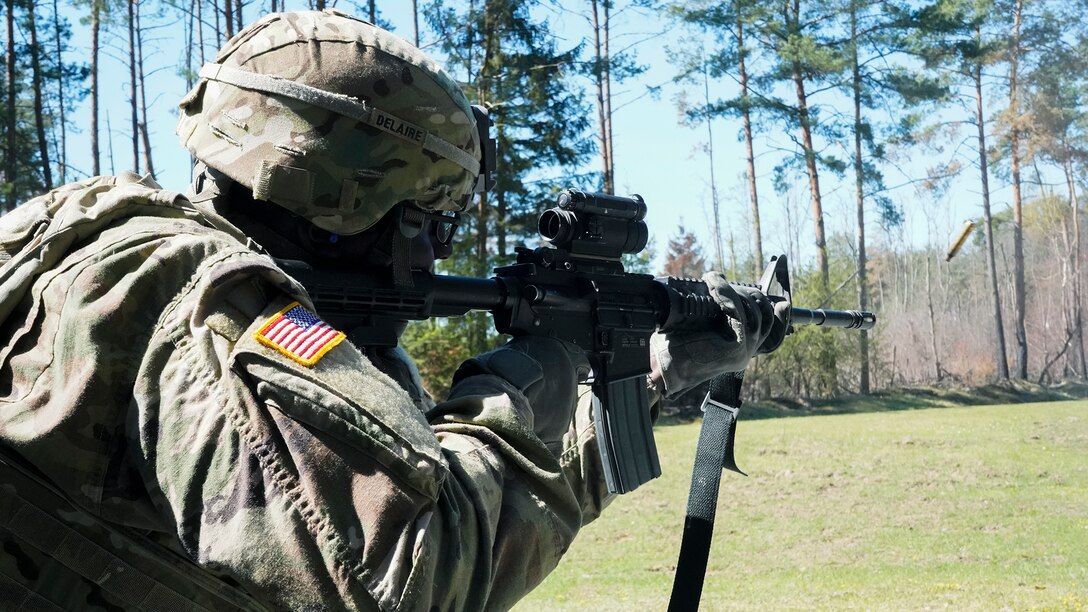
323	482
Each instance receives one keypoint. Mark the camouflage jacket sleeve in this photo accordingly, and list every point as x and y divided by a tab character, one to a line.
323	485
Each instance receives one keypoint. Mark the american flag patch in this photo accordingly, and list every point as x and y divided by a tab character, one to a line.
299	334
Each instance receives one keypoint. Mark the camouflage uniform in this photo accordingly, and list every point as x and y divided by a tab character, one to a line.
132	378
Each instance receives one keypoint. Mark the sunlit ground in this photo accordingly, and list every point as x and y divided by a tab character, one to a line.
961	508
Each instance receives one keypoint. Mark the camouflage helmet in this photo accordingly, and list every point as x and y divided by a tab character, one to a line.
334	119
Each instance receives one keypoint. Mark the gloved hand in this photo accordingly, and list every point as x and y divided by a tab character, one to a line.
681	360
546	371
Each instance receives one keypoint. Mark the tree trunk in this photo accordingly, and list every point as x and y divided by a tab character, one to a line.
415	21
598	56
492	55
1019	291
813	176
62	149
733	273
373	13
1078	305
501	210
190	42
478	338
611	187
1068	298
478	333
133	102
10	125
238	21
96	154
938	371
719	262
218	27
500	224
228	17
746	115
109	142
859	187
793	16
148	164
36	84
991	260
200	29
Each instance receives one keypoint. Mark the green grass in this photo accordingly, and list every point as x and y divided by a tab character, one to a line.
982	508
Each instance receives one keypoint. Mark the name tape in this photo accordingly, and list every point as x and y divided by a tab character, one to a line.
398	127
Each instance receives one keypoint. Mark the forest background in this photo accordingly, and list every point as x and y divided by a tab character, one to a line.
855	136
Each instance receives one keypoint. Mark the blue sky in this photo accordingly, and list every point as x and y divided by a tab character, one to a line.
656	156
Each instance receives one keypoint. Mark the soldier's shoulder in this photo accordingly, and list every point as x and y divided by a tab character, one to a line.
84	207
113	229
82	211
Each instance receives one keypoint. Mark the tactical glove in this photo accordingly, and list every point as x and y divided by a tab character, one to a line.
546	371
681	360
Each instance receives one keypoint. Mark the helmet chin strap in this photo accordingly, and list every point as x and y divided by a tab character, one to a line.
400	251
402	265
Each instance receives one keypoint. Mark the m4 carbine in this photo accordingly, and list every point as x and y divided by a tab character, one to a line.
575	289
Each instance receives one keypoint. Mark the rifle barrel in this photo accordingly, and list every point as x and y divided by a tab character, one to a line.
851	319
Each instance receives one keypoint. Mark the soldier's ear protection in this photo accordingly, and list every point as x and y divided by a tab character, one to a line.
488	149
442	225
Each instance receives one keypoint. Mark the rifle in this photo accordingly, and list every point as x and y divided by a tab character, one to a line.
573	288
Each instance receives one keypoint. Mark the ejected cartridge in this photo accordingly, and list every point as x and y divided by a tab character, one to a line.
968	225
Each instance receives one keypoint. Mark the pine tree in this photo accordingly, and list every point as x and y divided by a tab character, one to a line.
859	187
1055	87
61	66
728	22
62	124
957	38
141	78
805	54
974	63
684	257
27	165
602	81
36	79
608	66
1014	58
510	62
882	75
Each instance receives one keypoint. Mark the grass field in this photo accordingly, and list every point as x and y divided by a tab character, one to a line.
980	508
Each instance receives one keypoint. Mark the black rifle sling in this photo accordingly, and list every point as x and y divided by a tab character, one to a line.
715	451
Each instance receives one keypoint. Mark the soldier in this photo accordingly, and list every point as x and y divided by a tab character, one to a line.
182	429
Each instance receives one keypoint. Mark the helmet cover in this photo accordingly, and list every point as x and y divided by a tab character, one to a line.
334	119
